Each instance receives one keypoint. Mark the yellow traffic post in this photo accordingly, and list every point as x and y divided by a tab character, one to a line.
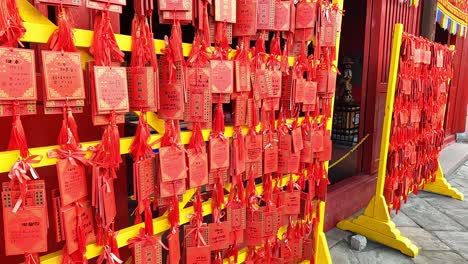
376	223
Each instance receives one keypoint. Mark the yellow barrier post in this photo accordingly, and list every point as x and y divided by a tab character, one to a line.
376	223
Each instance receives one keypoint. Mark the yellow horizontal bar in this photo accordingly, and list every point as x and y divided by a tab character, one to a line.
8	158
40	33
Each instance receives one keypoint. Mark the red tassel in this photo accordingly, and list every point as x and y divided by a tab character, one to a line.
137	216
104	47
18	137
148	218
62	38
31	258
113	244
11	24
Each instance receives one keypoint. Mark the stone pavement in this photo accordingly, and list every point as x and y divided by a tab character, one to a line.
438	225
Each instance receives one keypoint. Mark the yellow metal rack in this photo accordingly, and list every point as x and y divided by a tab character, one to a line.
39	28
375	223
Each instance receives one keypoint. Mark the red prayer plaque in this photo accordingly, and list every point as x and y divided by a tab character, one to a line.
174	247
266	15
108	200
23	109
270	159
62	103
194	235
168	17
282	15
168	189
317	141
70	217
299	89
240	110
198	255
236	215
327	30
111	89
26	230
141	88
198	167
63	75
303	34
242	76
310	93
255	167
291	202
306	14
225	11
198	105
269	220
172	163
74	3
114	2
254	149
246	14
175	5
59	233
147	252
219	153
298	144
307	156
71	180
17	74
222	79
218	235
171	94
103	6
144	171
253	233
275	79
326	154
292	250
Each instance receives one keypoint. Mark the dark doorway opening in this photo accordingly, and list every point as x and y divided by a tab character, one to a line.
346	118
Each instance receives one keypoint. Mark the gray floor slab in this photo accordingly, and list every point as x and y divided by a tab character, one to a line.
336	235
453	156
428	217
423	239
342	254
459	215
456	240
447	257
443	202
382	255
461	181
401	219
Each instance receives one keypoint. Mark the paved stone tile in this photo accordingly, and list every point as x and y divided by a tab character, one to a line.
381	255
429	257
342	254
461	172
401	219
443	203
336	235
460	181
458	241
459	215
428	217
423	239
